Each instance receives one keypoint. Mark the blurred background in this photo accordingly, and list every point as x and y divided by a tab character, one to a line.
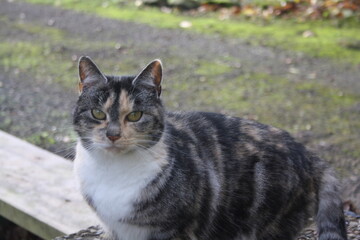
291	64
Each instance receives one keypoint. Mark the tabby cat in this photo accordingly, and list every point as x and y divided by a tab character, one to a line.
150	174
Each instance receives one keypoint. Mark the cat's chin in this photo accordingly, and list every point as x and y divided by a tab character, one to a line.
118	149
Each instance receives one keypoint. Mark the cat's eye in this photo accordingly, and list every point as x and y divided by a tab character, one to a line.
98	114
134	116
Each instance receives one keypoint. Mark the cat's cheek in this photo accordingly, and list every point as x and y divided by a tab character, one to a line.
99	132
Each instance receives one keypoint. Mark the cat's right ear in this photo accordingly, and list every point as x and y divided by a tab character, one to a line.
89	73
150	76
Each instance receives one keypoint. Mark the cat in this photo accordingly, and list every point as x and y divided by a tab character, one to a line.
150	174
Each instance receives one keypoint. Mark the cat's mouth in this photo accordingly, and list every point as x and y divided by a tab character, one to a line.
115	147
118	147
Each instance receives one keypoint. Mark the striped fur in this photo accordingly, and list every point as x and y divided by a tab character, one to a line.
193	175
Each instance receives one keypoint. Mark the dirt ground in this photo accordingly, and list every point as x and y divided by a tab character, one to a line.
36	99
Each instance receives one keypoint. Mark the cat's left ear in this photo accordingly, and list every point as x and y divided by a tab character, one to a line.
150	76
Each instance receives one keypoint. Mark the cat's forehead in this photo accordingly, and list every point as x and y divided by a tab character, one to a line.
119	83
114	85
119	89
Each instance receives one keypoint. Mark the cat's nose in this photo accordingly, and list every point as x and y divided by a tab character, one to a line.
113	132
113	138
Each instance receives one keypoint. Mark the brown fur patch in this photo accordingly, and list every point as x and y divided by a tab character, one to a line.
109	103
156	72
80	87
126	105
254	133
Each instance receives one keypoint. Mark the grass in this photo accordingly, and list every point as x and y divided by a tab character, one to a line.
52	56
328	41
36	59
206	68
44	138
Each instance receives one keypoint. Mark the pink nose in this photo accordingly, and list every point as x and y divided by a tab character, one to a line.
113	138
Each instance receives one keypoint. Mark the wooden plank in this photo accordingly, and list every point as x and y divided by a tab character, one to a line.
38	191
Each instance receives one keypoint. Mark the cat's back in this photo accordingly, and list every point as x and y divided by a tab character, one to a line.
238	148
245	136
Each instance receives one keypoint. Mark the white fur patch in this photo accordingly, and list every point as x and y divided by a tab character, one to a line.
113	182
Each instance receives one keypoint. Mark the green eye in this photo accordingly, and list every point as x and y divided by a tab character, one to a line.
98	114
134	116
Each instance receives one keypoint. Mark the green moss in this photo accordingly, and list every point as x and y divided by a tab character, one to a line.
212	69
328	40
292	106
32	58
41	32
19	54
41	139
50	57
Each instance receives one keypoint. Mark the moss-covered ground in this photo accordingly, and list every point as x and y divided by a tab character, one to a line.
326	39
325	117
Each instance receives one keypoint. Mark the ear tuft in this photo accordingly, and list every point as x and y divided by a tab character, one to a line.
150	76
89	73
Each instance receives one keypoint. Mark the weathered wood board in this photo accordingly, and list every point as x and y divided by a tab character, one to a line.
38	190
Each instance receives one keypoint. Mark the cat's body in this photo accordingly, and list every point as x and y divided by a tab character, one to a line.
192	176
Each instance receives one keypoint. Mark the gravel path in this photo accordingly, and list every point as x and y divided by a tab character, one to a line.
162	42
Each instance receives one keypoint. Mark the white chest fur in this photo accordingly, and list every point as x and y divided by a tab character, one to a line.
113	183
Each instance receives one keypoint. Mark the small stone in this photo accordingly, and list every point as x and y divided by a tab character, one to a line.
51	22
185	24
22	16
311	76
294	70
138	3
118	46
308	33
288	61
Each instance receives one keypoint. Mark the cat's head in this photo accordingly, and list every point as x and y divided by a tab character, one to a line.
119	113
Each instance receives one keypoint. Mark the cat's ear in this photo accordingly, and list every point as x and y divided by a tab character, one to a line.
89	73
150	76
